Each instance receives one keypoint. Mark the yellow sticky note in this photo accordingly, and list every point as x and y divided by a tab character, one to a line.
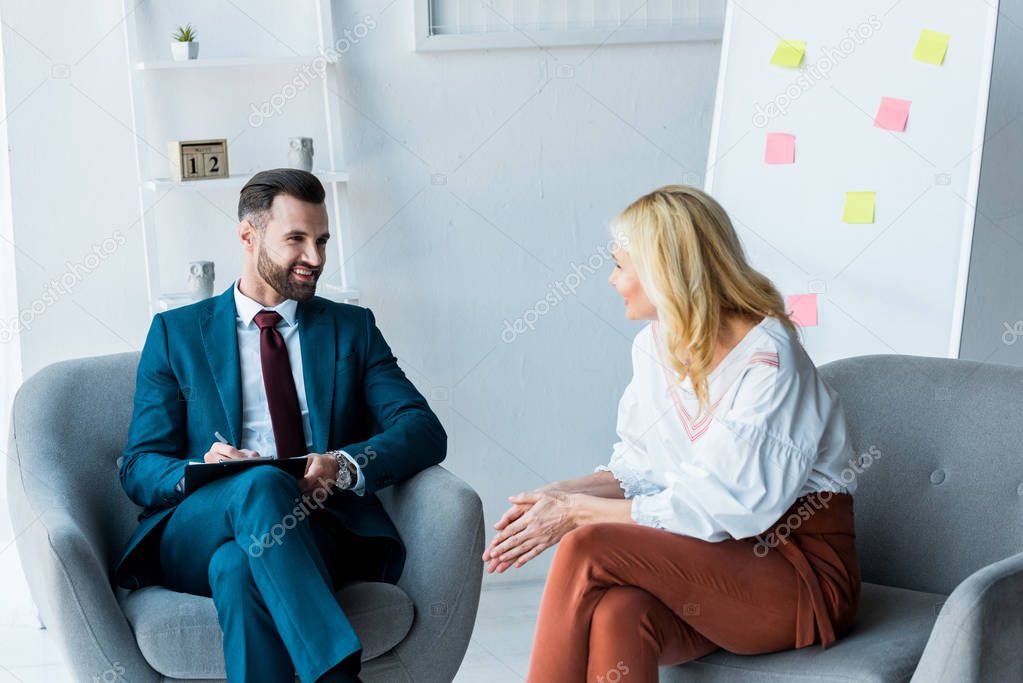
789	53
931	47
859	207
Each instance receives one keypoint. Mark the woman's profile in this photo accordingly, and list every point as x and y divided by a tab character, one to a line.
724	517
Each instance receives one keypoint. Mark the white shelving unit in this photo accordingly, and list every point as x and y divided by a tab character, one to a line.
144	75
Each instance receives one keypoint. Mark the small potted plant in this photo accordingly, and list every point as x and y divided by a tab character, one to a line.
183	45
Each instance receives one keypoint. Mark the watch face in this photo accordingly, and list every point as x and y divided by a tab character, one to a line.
344	475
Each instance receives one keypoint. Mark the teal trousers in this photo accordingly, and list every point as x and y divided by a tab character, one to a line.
271	561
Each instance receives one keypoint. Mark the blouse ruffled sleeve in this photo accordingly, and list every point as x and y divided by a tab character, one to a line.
752	467
629	461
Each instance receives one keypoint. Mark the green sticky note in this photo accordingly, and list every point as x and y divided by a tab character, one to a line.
931	47
789	53
859	207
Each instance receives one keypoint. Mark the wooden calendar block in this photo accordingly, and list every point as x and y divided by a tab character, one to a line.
198	159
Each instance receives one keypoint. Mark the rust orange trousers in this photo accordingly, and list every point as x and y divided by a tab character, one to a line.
623	599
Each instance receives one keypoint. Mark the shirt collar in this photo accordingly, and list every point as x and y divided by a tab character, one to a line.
248	308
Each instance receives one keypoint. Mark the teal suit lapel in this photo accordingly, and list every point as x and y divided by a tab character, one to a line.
318	341
220	340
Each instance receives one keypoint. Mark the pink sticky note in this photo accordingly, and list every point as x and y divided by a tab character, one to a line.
892	114
803	309
781	149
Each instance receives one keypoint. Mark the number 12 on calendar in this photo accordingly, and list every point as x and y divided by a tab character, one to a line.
198	159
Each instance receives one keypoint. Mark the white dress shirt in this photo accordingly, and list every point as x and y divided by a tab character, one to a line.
257	429
775	432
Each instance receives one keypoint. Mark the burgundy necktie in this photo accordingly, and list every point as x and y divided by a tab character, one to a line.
281	396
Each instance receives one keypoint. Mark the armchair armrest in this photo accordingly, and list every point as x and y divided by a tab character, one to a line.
77	602
440	519
979	629
62	560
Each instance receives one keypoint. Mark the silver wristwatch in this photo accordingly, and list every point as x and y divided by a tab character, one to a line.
344	474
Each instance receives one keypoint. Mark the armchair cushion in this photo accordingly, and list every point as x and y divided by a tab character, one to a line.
180	637
885	644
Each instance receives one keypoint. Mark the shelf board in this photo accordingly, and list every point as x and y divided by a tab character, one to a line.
229	62
176	299
335	293
233	180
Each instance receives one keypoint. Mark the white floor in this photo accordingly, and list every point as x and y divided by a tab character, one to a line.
27	653
498	651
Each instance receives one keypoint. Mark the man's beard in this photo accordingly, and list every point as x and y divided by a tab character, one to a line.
279	277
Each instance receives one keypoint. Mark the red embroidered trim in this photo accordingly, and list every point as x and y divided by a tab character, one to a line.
764	358
694	428
697	428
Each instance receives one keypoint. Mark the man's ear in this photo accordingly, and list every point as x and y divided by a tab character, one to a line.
247	233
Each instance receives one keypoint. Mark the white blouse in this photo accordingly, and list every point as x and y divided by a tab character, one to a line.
775	432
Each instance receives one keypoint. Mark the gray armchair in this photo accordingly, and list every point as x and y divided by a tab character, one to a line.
939	529
68	426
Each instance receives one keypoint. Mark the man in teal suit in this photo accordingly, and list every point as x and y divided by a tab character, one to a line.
268	368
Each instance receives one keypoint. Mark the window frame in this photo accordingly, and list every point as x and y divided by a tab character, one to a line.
425	40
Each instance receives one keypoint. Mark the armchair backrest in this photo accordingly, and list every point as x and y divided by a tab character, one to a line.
69	425
942	493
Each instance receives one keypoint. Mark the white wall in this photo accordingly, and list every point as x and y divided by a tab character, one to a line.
480	181
534	166
10	347
72	181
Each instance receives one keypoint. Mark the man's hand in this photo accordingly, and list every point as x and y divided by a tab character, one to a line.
222	451
320	473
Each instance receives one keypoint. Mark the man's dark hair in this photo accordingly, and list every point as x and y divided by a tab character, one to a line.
258	194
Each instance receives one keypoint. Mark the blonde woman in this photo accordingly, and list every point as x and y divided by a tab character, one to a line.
724	518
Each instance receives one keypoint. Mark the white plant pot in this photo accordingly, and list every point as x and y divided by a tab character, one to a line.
184	51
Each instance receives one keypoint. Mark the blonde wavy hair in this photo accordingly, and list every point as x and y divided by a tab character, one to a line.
692	267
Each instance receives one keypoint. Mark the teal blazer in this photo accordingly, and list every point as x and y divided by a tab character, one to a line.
188	386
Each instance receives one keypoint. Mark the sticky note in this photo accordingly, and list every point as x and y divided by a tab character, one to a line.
789	53
803	309
931	47
781	149
859	207
892	114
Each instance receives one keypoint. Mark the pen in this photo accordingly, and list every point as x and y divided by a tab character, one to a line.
221	439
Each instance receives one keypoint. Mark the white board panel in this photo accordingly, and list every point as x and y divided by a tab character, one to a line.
897	285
